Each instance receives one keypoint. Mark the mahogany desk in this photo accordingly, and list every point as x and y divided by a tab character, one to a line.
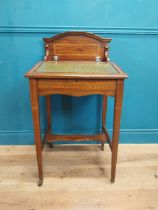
76	64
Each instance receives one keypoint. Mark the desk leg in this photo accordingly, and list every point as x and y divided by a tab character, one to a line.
116	127
36	123
104	110
48	107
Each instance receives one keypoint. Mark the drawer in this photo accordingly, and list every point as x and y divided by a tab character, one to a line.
76	87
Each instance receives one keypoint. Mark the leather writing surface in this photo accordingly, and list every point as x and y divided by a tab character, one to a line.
77	67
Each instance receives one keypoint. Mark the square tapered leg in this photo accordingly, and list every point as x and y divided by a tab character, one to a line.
36	123
116	127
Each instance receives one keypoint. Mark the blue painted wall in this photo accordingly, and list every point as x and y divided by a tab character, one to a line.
133	25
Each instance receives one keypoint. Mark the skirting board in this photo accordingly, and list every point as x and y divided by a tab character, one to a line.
134	136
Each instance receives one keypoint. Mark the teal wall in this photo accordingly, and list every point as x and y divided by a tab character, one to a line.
133	25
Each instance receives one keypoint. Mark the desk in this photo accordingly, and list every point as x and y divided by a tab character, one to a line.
76	64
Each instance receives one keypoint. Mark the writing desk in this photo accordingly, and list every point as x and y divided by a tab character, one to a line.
76	64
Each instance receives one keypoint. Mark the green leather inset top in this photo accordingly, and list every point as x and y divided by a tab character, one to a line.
77	67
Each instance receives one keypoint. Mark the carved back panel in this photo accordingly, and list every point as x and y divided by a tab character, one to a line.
79	46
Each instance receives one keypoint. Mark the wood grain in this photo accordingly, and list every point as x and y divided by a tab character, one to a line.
79	44
36	123
77	178
104	111
116	126
76	46
99	137
76	87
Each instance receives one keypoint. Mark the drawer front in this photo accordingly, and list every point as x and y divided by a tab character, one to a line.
76	87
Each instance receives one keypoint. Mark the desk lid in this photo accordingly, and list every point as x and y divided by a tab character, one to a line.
76	69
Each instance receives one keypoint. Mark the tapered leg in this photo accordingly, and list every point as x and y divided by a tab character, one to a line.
36	123
48	109
104	110
116	127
